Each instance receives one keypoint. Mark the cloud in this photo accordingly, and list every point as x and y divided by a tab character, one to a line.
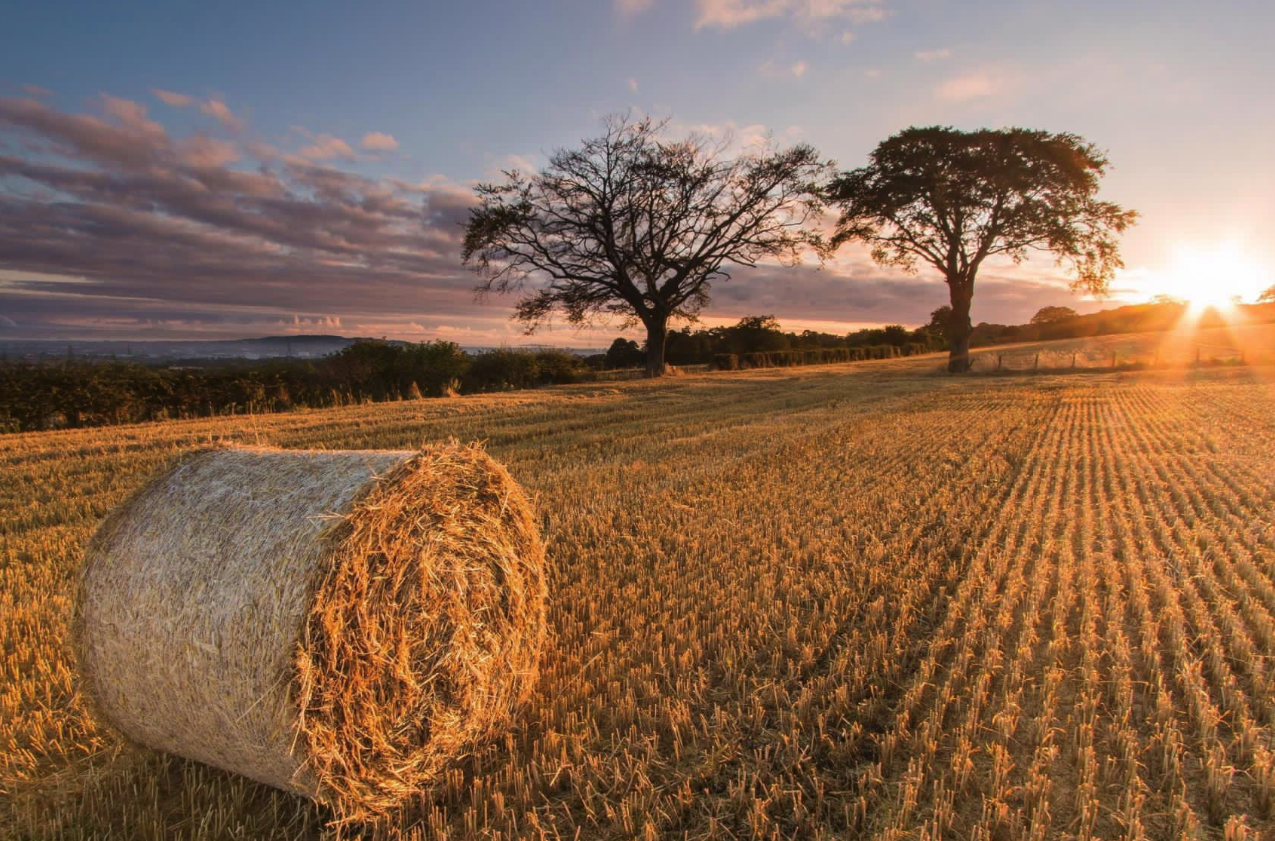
521	163
967	87
848	36
632	8
176	100
932	55
131	115
633	85
811	15
208	152
310	321
122	136
853	289
111	226
376	141
109	223
736	137
325	147
866	13
36	90
217	108
772	69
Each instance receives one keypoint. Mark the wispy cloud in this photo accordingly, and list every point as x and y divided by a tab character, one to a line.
131	115
811	15
512	161
633	85
176	100
206	152
772	69
36	90
377	141
736	137
932	55
325	147
967	87
632	8
217	108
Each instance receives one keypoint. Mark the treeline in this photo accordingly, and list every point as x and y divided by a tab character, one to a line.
759	342
77	393
818	356
1064	323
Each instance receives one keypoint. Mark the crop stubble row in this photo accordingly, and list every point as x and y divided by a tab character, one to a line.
814	604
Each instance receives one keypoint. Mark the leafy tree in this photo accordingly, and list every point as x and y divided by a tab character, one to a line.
895	334
436	367
1267	297
624	353
952	199
636	225
933	331
756	333
1050	315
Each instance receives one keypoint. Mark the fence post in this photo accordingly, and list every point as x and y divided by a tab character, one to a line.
998	361
1073	360
1113	359
1036	363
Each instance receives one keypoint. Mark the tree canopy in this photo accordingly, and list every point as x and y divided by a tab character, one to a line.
636	225
1049	315
953	199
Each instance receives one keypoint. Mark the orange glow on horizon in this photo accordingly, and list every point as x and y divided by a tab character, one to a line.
1216	277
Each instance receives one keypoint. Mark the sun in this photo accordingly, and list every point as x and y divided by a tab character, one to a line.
1215	276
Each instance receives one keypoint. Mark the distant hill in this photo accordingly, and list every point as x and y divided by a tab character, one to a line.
310	346
306	346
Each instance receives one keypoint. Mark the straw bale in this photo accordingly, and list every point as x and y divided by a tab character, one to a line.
338	624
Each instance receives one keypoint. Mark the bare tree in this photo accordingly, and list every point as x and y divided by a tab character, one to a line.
636	225
953	198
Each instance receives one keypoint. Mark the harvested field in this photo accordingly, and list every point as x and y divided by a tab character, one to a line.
848	601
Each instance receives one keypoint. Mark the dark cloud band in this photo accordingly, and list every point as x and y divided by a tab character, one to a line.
221	234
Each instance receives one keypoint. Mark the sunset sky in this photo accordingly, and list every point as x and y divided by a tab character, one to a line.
229	169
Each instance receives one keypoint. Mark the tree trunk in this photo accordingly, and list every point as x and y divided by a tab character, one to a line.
959	327
656	339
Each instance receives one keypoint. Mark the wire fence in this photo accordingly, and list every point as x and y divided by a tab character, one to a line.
1117	355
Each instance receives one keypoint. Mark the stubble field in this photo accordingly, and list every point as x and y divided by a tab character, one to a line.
840	602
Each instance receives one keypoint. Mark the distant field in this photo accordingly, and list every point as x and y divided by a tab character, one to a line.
851	601
1252	343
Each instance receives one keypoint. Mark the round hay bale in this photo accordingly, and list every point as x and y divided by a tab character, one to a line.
337	624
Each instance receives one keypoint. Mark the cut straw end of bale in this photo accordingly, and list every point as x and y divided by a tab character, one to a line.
343	625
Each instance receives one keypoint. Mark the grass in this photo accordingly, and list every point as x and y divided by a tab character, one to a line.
848	601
